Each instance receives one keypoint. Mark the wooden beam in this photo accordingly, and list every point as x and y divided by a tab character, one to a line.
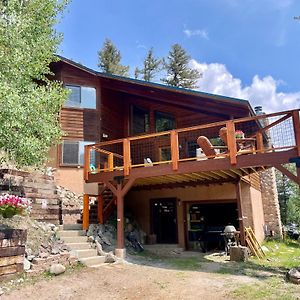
276	122
110	162
240	211
127	157
87	158
231	142
127	186
100	209
120	217
287	173
174	150
296	123
111	187
85	213
259	142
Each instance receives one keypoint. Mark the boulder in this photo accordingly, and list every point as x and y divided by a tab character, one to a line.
27	264
110	258
239	253
99	249
293	275
57	269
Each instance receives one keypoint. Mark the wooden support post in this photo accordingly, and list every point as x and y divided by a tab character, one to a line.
240	212
120	217
259	142
231	142
100	209
126	155
296	123
111	162
85	215
87	159
174	149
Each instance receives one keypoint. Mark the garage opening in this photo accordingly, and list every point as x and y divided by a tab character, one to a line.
206	223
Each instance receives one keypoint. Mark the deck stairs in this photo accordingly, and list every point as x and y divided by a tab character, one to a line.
76	239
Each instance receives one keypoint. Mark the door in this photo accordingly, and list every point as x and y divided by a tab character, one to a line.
164	220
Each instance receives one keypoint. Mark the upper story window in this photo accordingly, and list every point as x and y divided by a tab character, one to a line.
140	120
164	122
73	153
81	97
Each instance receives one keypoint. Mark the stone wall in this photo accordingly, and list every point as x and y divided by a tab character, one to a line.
270	202
37	187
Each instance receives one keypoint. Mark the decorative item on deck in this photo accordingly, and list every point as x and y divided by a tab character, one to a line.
11	205
239	134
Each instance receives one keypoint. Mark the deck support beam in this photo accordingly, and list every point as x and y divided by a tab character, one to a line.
240	212
120	190
85	214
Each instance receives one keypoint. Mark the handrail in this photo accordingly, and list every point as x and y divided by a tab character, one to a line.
174	143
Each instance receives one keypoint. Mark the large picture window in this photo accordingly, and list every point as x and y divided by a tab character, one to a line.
81	97
73	152
164	122
140	120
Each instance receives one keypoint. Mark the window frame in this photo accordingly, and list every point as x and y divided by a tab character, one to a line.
147	111
166	115
65	105
78	164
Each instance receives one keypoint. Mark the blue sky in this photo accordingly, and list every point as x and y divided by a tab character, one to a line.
244	48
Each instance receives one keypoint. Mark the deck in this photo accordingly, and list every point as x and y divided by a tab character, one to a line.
172	159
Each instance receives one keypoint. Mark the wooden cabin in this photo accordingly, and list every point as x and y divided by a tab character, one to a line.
138	140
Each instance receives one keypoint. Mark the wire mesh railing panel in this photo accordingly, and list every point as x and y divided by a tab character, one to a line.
150	150
282	134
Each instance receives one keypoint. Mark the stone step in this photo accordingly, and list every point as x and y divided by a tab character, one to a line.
84	253
78	246
69	233
72	227
74	239
98	266
92	261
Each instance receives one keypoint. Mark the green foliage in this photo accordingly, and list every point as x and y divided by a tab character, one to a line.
29	101
179	73
109	60
151	67
288	196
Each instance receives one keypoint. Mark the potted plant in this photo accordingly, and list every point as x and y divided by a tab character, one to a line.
239	134
11	205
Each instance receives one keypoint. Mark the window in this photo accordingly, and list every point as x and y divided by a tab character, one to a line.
164	122
81	97
73	152
140	120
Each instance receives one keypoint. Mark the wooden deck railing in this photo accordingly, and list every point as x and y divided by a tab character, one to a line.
132	152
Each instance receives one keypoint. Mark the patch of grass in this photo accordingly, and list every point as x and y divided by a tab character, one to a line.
189	263
272	288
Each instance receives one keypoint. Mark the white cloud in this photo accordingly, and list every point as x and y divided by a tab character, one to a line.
217	79
198	32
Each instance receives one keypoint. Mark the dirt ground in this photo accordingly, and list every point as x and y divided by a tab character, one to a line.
141	279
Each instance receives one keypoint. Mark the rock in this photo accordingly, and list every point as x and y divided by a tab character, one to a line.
1	291
30	257
239	253
110	258
91	239
294	275
57	269
44	254
27	264
99	249
265	249
55	251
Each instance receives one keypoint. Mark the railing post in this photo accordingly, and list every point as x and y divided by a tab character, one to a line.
296	123
86	163
126	156
174	149
259	142
111	162
231	142
85	214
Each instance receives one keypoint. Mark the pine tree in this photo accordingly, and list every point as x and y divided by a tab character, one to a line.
179	73
151	67
109	60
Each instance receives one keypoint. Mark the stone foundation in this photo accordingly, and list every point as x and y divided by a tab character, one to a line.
271	203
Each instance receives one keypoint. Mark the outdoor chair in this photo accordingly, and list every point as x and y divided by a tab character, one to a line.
209	150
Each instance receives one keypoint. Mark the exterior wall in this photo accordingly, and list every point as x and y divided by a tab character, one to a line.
70	178
270	202
252	210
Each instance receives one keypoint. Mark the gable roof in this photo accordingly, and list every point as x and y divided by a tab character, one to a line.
221	98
